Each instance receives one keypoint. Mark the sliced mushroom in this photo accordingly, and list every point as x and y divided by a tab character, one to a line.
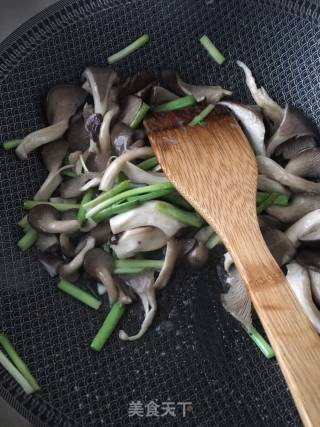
281	248
130	109
293	147
73	266
237	301
143	285
112	171
62	103
274	171
303	226
172	253
67	247
315	286
306	164
300	205
144	215
252	121
141	239
160	95
294	124
101	233
99	265
140	176
299	282
51	263
270	185
271	110
101	81
211	94
47	242
52	155
198	256
46	219
77	136
74	187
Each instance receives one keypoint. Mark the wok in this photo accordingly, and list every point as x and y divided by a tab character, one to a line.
195	352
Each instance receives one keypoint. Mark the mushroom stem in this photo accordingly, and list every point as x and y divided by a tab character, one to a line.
61	207
140	176
171	256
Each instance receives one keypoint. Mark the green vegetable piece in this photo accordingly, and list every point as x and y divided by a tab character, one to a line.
79	294
213	51
123	53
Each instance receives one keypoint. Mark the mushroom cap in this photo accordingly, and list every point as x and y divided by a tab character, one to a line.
51	263
47	243
77	136
306	164
122	137
293	147
53	154
63	102
46	219
101	233
138	82
130	109
159	95
198	256
96	262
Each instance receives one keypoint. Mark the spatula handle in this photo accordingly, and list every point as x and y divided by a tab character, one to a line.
296	344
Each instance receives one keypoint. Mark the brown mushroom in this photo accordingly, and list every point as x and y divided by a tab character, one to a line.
299	205
68	270
46	219
101	233
51	263
306	164
198	256
77	136
47	242
293	147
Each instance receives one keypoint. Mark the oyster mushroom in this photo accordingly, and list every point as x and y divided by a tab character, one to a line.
281	248
270	185
67	247
237	301
252	122
299	282
315	286
300	205
115	167
46	219
146	215
303	226
101	233
101	82
198	256
293	147
211	94
73	266
141	239
77	136
123	137
130	109
47	242
75	187
271	110
271	222
159	95
52	155
104	135
140	176
172	253
274	171
137	83
51	263
62	103
99	265
294	124
306	164
309	259
143	285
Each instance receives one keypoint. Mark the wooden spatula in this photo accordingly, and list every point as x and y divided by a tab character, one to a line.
214	168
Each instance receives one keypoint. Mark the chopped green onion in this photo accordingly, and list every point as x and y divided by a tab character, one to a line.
28	239
188	218
62	207
18	362
144	108
68	172
176	104
270	200
121	177
176	199
262	344
23	221
82	212
128	270
126	194
79	294
213	51
13	143
148	164
117	189
27	228
108	326
152	264
281	200
13	371
137	44
198	120
213	241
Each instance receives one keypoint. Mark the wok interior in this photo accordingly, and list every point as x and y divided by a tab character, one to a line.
195	351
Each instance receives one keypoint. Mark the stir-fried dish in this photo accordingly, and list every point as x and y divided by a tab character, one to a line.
107	221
